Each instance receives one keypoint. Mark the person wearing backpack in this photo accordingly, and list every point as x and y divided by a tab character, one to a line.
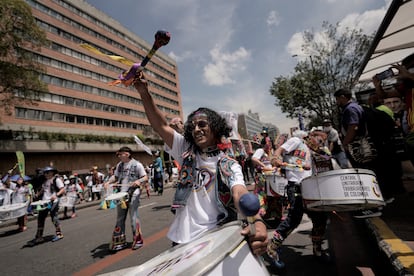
52	189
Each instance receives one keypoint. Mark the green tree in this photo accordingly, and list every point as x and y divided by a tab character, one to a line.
329	64
20	38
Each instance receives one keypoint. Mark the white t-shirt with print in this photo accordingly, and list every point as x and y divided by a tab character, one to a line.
289	146
47	194
261	155
201	211
129	172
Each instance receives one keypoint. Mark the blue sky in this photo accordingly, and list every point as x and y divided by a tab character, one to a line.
228	52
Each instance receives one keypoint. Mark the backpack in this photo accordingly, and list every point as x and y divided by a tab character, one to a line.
380	127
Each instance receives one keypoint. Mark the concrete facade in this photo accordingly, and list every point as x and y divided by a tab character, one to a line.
80	101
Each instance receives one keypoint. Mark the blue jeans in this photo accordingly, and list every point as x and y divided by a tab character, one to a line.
342	160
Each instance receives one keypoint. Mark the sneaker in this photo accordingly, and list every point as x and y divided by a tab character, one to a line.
73	216
118	247
320	254
57	237
389	200
273	263
137	245
368	214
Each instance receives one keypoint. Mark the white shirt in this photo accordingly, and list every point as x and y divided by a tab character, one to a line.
47	194
201	211
129	172
289	146
261	155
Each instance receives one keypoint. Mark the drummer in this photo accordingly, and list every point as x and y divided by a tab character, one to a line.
296	152
131	176
52	189
261	161
73	189
197	204
21	193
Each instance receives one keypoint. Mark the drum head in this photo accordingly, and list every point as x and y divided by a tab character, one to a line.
117	196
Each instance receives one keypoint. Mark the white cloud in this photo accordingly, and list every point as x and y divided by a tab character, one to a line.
368	21
295	44
225	66
273	19
183	57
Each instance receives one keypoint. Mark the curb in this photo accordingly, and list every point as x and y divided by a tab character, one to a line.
400	254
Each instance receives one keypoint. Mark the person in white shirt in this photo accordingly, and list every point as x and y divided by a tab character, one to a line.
131	176
197	206
296	157
52	189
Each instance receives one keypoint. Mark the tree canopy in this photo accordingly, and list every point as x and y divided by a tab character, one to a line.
331	59
20	38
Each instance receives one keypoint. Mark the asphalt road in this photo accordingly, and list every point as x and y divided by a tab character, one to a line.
84	249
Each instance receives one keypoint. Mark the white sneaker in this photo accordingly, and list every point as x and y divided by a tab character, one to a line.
389	200
368	214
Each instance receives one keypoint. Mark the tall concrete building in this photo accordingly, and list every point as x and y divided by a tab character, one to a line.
79	100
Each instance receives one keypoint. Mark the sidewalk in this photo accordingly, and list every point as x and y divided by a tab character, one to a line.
394	230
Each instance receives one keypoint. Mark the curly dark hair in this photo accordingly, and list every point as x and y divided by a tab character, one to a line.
217	124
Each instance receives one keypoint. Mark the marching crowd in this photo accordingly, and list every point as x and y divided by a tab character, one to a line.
212	182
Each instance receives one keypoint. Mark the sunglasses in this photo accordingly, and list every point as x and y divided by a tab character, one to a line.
199	124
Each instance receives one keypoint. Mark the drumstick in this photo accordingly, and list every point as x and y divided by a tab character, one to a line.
292	167
249	206
127	77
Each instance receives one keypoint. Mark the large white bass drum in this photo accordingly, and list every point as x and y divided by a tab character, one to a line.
342	190
222	251
13	211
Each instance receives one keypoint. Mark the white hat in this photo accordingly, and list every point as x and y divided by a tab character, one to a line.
300	134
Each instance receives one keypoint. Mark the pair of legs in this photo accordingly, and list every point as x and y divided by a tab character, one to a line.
54	211
158	185
65	212
118	235
293	219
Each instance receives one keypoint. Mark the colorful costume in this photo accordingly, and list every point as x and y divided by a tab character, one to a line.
126	173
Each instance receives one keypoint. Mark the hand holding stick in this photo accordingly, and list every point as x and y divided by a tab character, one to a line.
127	77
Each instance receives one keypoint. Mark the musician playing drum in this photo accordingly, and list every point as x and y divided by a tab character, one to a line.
131	176
270	207
52	189
210	183
296	156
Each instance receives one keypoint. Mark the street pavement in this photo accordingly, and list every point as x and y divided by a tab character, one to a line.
393	231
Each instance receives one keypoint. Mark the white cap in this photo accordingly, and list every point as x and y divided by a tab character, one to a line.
300	134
